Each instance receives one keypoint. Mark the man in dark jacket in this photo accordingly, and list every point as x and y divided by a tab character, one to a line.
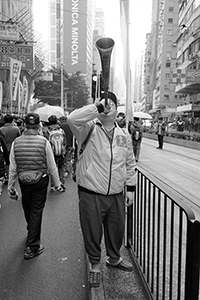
160	131
9	131
136	130
31	160
69	147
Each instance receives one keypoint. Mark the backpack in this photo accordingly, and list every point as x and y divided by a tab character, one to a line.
57	141
75	155
136	134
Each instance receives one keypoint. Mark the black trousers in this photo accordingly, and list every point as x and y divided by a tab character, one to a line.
98	212
33	202
160	140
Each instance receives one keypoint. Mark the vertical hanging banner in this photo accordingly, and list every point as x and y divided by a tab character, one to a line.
1	94
124	23
20	95
25	92
15	70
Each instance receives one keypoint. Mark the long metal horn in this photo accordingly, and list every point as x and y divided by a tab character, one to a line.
105	46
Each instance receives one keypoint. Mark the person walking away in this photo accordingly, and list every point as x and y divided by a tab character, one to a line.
32	160
104	168
136	130
10	131
57	139
160	131
4	160
69	148
20	125
180	124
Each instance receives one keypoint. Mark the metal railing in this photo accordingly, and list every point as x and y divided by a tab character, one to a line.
164	235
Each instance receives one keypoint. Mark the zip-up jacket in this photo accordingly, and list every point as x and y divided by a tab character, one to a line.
106	165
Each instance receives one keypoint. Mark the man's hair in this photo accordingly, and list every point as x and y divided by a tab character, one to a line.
136	118
53	120
8	118
29	126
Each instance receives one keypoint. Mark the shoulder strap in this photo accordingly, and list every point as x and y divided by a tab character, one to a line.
87	139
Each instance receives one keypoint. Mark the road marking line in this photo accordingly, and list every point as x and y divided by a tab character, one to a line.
187	163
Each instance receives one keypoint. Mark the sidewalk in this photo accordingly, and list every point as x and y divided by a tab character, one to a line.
117	284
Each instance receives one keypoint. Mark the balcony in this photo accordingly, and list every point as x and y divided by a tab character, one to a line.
191	83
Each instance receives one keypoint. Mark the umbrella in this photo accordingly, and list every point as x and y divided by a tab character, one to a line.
142	115
46	111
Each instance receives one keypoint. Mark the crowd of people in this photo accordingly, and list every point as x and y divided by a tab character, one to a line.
38	155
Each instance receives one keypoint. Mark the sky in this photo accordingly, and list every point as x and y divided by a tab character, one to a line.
140	21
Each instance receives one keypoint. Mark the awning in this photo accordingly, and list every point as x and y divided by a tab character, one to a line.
190	89
183	108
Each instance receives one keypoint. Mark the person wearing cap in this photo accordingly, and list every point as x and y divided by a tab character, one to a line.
32	160
160	131
121	119
103	169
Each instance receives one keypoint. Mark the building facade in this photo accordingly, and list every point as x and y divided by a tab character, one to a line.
164	32
188	56
16	17
71	36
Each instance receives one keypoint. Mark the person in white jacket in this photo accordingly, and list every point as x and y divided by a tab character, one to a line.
104	169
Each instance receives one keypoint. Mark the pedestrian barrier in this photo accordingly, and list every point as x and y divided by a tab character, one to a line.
164	238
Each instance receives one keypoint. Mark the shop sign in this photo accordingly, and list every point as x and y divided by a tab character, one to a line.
9	32
24	53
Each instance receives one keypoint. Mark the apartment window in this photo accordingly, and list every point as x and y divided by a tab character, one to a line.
166	86
169	32
53	45
53	20
168	64
58	50
58	16
169	43
53	8
167	75
166	97
170	21
53	32
168	56
171	9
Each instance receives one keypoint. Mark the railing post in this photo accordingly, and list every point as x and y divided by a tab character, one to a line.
192	261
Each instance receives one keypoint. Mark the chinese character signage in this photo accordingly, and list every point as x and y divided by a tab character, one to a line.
22	53
9	32
15	70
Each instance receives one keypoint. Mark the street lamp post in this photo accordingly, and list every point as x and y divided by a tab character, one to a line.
62	94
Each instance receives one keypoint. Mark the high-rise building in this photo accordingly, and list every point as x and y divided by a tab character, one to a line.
163	54
147	61
16	39
71	35
187	75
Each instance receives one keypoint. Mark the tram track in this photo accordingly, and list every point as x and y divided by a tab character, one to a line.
168	166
